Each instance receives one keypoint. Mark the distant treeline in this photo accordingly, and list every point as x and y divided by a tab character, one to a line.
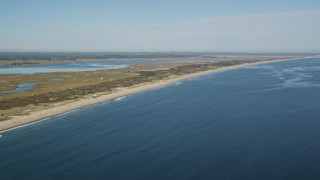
108	55
84	55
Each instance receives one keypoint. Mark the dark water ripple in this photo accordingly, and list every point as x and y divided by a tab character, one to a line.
240	124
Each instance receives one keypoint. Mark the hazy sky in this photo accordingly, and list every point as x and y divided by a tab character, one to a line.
160	25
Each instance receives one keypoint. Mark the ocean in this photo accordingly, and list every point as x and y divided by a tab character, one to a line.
257	122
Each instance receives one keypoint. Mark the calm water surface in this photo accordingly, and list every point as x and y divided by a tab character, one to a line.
66	67
76	66
20	87
259	122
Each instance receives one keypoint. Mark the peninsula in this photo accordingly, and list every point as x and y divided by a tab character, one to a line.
74	90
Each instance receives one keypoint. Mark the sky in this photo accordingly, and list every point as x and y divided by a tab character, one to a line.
160	25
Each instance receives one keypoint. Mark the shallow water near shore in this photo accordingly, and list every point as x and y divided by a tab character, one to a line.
257	122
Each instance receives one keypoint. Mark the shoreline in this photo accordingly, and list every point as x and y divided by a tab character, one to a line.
37	116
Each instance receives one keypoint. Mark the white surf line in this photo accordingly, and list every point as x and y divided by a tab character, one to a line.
24	125
44	119
69	111
119	99
200	75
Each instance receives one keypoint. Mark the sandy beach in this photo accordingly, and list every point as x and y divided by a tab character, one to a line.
43	114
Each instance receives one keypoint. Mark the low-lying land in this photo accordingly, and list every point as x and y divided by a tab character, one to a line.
73	87
38	59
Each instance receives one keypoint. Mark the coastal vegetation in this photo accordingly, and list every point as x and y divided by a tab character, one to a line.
75	85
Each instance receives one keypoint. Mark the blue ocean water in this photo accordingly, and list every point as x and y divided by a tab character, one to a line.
258	122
